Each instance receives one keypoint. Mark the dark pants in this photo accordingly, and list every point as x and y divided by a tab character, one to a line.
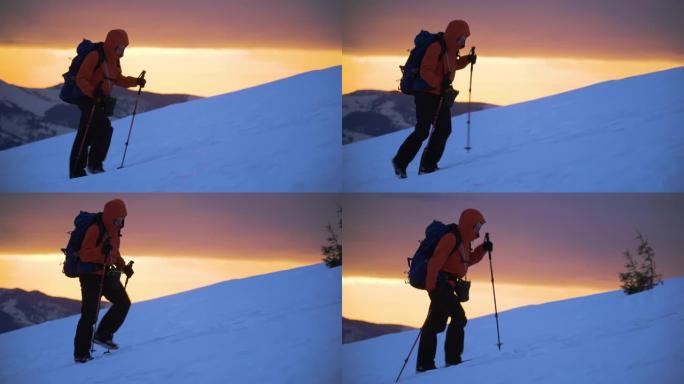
443	304
426	108
112	320
94	144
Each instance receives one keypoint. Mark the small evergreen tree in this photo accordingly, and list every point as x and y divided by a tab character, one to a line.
641	274
332	252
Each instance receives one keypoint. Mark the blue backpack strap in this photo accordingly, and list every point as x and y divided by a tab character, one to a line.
101	227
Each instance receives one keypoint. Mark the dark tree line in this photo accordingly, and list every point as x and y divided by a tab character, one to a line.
332	252
641	270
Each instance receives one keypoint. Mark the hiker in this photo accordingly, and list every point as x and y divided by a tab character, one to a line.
104	281
450	260
95	80
437	69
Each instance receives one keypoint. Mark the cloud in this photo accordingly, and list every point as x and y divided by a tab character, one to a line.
304	24
559	28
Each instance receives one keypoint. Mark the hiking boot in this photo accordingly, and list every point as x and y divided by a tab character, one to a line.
107	343
83	359
95	169
77	173
424	170
455	362
399	171
424	368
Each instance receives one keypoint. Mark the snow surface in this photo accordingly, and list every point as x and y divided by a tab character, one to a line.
278	137
603	338
282	327
618	136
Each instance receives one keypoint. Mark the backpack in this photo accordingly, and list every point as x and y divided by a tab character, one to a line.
73	266
70	92
411	82
419	262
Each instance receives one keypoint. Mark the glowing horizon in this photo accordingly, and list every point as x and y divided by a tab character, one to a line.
405	305
154	276
197	71
502	80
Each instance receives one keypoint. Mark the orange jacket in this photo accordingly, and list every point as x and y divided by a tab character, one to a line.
454	263
108	73
91	252
433	68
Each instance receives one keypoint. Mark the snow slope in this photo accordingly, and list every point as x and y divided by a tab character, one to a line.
277	137
618	136
603	338
282	327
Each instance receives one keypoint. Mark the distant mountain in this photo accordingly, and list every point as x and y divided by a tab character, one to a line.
30	114
367	114
356	330
19	308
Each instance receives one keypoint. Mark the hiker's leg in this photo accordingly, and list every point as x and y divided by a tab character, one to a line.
434	324
77	160
102	138
426	105
453	346
90	287
115	293
435	147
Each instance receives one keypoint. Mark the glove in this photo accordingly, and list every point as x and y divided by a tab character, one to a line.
488	246
471	58
141	82
128	270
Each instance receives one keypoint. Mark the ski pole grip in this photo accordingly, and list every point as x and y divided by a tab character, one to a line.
142	75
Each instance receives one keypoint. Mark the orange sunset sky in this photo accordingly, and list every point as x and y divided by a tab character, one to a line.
178	241
526	49
546	247
202	47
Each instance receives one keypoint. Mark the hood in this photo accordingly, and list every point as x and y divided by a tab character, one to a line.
454	31
115	37
113	209
469	218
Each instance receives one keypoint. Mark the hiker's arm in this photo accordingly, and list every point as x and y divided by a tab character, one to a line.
436	262
428	67
126	81
91	252
462	62
477	254
85	73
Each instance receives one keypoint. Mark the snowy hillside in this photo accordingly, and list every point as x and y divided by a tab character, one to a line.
282	327
30	114
603	338
281	136
624	135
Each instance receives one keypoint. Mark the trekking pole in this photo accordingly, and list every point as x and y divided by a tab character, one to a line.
470	88
130	264
85	134
496	312
135	109
99	301
412	347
